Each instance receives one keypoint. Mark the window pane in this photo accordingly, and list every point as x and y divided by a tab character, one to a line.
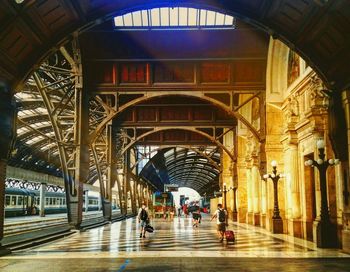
210	17
220	18
155	17
128	19
136	16
203	17
183	16
174	16
145	18
192	17
20	200
13	200
118	21
228	20
164	16
8	200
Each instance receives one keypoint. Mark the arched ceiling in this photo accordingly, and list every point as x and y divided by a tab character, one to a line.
316	29
186	168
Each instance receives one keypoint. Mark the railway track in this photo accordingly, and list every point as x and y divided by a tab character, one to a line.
30	233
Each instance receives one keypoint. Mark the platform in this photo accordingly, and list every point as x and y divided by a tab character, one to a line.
176	246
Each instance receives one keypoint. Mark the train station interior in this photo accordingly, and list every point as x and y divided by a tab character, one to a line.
109	106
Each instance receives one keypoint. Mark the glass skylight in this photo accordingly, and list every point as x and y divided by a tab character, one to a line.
34	140
174	17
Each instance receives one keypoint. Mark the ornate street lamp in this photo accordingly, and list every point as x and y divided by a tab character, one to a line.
225	190
325	229
234	211
277	222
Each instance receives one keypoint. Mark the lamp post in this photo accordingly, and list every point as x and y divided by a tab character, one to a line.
234	212
324	229
225	190
277	222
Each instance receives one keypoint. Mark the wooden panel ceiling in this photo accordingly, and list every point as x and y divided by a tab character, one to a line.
318	32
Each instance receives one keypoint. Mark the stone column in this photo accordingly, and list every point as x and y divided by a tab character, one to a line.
263	204
256	184
296	224
42	199
7	129
346	189
250	199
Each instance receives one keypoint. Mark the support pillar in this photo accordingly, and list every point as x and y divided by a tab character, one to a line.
256	183
42	199
107	199
346	189
7	128
250	213
74	177
234	210
126	182
296	224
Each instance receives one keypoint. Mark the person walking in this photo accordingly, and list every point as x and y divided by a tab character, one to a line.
196	215
221	221
143	219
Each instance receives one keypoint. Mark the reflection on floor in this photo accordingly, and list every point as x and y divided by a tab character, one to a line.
179	235
120	241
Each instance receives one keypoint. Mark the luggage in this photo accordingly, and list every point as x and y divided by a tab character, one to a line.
149	228
230	236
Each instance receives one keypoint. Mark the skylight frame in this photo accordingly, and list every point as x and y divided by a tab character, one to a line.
176	18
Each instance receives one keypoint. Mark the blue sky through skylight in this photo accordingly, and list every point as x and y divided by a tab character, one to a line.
174	17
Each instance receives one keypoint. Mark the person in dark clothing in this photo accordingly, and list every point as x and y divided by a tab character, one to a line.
143	219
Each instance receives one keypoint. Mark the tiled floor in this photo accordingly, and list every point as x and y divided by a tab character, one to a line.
118	246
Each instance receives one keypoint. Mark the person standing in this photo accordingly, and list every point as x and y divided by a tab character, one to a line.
221	221
143	219
179	211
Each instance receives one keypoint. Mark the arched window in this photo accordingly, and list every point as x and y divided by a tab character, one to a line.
174	18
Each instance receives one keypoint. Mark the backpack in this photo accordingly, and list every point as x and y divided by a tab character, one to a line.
143	215
222	216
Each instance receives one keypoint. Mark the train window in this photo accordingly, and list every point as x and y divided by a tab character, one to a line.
8	200
58	201
13	200
64	201
47	201
25	199
38	201
54	201
20	200
51	201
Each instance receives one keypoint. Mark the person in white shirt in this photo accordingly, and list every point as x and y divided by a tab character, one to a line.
221	221
143	219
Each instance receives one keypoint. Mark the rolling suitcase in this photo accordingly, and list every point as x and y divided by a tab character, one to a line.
230	236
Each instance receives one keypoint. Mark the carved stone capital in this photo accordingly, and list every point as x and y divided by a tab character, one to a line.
318	93
291	111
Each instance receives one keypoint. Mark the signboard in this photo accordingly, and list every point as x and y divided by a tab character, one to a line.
164	195
217	194
171	187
